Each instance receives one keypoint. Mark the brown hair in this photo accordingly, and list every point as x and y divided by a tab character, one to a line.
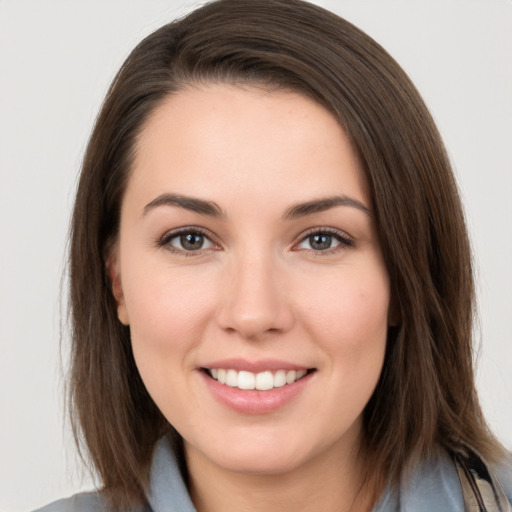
425	397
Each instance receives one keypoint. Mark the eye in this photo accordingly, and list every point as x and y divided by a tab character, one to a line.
187	241
323	241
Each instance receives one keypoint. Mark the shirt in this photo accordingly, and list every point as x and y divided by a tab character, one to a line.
433	486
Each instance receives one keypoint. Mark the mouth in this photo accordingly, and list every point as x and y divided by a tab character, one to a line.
256	387
261	381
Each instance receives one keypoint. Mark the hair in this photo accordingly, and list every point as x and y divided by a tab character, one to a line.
425	398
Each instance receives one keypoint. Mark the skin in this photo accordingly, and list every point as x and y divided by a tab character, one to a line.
257	289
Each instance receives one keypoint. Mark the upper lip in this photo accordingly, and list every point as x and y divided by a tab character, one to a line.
254	366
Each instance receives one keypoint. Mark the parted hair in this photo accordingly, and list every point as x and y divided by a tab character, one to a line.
425	399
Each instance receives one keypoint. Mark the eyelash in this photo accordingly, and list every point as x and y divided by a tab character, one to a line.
344	241
166	240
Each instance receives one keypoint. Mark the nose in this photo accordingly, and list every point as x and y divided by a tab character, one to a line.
255	302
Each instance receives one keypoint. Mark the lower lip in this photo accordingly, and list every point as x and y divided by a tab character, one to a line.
254	401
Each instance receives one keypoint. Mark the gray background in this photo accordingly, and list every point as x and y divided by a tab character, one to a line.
56	61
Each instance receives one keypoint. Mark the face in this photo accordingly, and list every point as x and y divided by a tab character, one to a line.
249	272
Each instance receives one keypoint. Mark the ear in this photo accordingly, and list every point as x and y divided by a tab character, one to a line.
113	272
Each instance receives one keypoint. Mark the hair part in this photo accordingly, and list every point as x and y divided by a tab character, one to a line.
426	397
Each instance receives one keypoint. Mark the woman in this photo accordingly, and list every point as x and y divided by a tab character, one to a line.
271	283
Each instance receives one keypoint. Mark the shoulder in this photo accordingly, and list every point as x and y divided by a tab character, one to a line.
167	490
441	481
434	484
84	502
504	473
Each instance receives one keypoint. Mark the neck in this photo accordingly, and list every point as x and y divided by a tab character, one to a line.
331	482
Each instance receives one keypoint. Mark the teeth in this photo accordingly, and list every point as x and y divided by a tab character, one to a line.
231	378
279	378
262	381
246	380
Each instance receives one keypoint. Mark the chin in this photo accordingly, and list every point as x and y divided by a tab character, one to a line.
260	465
257	457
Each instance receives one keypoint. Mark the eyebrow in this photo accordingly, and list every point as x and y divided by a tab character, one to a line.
212	209
323	204
193	204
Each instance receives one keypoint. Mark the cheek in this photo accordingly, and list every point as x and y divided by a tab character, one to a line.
168	311
167	308
357	339
350	310
348	317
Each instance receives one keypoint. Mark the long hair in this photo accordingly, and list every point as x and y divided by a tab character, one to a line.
425	398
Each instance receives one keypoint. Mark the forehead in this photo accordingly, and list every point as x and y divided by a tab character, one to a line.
222	138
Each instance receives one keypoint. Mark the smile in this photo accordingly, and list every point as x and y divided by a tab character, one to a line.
262	381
